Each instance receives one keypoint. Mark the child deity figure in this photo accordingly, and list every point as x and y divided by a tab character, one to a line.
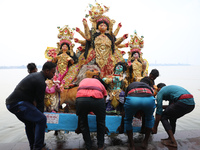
63	55
137	66
118	83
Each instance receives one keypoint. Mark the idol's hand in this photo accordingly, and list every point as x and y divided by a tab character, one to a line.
120	25
77	29
84	21
125	36
80	48
76	40
127	44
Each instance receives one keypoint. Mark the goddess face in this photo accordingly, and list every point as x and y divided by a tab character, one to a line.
136	55
64	48
102	27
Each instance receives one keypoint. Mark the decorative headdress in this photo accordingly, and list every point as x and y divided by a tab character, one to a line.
96	11
65	35
96	15
103	19
136	43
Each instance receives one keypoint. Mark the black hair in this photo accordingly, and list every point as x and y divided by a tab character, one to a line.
65	44
31	67
74	57
160	85
154	72
123	64
48	65
134	59
147	81
60	52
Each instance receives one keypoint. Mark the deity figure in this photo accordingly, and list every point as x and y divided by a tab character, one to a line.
100	45
52	92
118	84
138	67
63	55
63	60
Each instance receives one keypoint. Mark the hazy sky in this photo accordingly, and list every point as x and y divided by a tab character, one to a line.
170	27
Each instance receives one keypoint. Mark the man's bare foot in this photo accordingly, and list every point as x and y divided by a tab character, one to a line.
144	144
169	143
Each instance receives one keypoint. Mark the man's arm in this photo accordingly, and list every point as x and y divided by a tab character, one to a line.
159	110
121	127
157	120
39	95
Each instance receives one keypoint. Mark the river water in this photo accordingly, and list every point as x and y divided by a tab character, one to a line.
12	130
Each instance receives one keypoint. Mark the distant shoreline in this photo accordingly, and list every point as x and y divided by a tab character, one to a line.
16	67
24	67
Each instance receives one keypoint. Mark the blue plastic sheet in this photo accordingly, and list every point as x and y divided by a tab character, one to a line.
68	122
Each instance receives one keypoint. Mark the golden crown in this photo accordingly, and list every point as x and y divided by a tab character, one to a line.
96	11
136	43
66	34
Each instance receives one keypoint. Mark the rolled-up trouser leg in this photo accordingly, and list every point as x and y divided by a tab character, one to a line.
173	112
33	119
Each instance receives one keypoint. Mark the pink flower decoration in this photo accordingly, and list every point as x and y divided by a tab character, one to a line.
52	53
135	50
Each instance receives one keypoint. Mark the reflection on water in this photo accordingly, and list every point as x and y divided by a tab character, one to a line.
185	76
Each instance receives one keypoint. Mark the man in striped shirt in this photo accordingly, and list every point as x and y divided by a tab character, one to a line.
138	96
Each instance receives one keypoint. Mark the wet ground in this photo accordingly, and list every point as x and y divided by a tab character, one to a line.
187	140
